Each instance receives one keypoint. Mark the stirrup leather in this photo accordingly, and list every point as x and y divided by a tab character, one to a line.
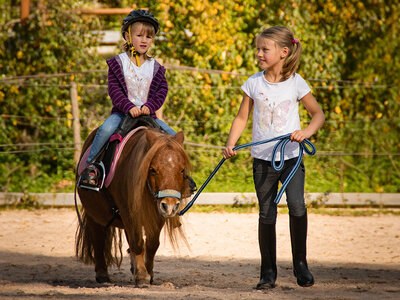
92	177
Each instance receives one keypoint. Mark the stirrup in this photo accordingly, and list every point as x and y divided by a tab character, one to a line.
92	178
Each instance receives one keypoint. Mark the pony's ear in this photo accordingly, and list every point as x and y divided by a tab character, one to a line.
151	136
179	137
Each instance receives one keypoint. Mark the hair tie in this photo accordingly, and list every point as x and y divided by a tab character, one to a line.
295	41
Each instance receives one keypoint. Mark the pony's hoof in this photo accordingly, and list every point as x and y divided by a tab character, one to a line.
142	284
102	279
143	280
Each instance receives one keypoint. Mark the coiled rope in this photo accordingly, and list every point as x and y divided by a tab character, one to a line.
279	146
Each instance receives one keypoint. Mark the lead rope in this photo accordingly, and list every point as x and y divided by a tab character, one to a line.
279	146
76	205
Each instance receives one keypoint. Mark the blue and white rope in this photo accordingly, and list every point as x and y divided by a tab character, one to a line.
279	146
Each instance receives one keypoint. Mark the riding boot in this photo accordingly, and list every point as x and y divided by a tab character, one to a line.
267	242
298	235
92	177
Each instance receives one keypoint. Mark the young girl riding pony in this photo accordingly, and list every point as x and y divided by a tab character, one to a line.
136	86
274	95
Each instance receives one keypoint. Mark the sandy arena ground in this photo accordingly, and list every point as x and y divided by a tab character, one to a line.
350	257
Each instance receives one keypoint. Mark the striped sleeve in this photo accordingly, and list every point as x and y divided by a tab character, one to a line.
116	92
158	91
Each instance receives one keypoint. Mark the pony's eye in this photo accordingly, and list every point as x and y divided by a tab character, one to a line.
153	171
183	171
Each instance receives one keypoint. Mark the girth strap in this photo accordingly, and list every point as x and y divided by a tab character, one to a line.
114	207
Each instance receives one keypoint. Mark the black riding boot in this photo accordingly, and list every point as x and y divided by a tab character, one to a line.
267	242
92	177
298	235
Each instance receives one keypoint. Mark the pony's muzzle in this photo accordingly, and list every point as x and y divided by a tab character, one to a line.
168	207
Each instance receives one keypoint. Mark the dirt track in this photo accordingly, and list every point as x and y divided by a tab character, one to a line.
350	257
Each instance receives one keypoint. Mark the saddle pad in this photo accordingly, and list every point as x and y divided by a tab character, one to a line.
117	154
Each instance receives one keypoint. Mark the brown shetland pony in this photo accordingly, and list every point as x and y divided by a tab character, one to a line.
150	160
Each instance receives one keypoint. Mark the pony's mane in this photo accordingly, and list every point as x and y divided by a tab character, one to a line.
140	201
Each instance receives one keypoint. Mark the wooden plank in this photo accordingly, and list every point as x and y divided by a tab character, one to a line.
105	11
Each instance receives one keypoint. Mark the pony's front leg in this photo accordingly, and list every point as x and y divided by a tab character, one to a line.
136	253
152	244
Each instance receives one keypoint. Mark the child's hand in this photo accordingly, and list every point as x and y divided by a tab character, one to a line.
228	152
300	135
145	110
135	112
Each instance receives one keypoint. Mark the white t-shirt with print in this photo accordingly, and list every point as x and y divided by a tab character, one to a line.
276	112
137	79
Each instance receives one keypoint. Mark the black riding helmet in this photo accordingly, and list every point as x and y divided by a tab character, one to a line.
138	15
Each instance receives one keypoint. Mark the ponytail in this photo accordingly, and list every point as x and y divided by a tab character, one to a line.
292	60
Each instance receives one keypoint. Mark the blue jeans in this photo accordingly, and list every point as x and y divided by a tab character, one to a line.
109	126
165	127
104	133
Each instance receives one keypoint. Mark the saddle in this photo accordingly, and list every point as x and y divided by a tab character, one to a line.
127	125
102	164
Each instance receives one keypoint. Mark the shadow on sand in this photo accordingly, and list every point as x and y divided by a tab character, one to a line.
226	276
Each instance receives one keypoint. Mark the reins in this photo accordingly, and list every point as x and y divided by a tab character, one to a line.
280	146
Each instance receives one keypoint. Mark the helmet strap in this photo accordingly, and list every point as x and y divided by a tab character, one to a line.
132	48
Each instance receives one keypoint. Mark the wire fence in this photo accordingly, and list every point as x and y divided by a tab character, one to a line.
38	147
20	80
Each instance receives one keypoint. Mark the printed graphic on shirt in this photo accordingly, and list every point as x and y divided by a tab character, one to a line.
138	88
137	79
274	115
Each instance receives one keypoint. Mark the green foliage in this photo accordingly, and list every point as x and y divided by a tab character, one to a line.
350	58
36	113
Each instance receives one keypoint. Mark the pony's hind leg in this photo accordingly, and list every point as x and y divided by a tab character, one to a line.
98	237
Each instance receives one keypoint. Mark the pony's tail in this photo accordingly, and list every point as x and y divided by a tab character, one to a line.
84	244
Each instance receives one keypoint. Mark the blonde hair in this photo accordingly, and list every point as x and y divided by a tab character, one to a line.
146	29
283	37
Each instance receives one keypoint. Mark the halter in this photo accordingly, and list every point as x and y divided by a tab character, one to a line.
167	193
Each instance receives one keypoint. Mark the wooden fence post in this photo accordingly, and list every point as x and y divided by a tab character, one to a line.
75	123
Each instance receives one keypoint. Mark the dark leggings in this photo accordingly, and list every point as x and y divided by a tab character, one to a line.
266	181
